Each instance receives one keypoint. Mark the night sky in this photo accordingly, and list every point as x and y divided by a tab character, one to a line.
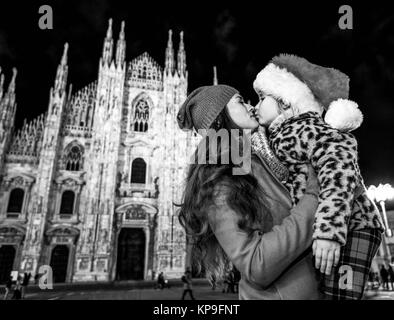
239	39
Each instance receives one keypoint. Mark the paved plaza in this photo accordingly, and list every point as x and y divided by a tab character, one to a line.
200	291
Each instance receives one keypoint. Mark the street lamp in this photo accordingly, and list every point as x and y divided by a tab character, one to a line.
381	194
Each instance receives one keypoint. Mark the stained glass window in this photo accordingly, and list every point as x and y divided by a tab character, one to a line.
73	159
141	116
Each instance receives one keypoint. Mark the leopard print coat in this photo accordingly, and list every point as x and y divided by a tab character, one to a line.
343	202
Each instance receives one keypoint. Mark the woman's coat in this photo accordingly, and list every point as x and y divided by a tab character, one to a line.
275	261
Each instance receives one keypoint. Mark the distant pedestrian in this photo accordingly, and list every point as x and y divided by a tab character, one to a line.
17	289
376	281
212	281
226	283
237	278
384	275
160	281
231	282
25	283
391	276
36	278
371	277
187	284
8	287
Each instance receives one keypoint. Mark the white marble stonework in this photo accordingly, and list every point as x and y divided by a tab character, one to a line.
106	158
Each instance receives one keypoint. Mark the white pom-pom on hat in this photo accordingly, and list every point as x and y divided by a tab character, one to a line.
344	115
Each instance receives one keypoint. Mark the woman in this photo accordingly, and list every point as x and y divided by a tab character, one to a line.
246	219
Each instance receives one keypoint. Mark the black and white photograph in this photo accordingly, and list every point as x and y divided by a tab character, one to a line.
202	151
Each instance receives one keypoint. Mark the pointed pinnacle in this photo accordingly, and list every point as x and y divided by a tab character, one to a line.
121	35
109	31
181	44
65	52
1	82
170	38
215	76
11	86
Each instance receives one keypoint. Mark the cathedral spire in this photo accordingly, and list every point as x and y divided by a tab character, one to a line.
7	114
11	89
1	84
108	45
215	76
64	57
11	86
62	71
70	89
7	103
121	47
169	65
181	57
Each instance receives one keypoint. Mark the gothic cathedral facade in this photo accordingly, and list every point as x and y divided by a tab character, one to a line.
89	187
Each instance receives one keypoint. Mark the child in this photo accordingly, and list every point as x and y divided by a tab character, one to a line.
347	229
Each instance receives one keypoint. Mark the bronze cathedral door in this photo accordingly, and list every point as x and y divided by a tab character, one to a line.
131	254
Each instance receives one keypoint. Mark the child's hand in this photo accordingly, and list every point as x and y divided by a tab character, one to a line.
326	254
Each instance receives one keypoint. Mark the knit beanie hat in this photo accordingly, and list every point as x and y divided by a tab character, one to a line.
308	87
203	105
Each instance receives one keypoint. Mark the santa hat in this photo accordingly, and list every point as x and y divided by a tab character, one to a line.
308	87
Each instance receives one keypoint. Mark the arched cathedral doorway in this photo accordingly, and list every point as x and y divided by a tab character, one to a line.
7	256
131	254
59	263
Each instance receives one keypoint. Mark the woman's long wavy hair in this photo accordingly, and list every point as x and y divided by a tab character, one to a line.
243	195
